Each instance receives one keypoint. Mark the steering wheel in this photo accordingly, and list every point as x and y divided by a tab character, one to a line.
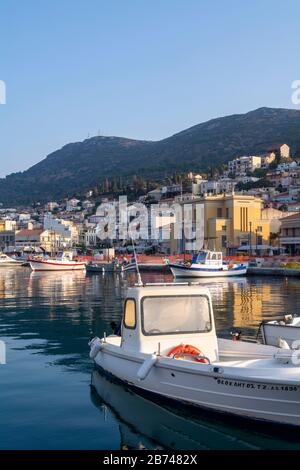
154	330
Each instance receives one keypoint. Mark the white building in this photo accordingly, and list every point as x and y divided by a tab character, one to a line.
50	206
90	237
242	165
66	228
287	166
223	185
72	205
88	205
280	150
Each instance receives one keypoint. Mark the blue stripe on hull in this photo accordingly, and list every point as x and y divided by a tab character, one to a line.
213	270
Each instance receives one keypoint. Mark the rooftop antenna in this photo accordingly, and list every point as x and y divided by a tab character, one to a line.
140	282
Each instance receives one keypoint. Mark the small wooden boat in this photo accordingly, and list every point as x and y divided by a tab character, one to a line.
207	264
168	346
102	267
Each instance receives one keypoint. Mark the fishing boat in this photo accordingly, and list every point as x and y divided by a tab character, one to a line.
65	262
207	264
104	267
285	329
168	347
147	267
6	260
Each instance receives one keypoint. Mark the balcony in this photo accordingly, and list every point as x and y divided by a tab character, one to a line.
290	240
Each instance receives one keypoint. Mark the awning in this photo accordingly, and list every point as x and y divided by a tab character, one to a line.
255	247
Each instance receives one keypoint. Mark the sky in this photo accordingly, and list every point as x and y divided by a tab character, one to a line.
143	69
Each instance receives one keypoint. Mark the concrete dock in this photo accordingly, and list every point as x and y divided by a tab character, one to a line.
284	272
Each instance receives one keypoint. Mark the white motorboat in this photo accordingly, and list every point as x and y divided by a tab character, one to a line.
286	329
208	264
6	260
63	263
168	346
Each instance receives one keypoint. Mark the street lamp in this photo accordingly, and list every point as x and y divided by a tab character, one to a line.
256	241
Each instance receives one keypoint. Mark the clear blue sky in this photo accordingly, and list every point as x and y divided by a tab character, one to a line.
137	68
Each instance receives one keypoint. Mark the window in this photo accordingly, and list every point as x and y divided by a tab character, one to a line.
224	241
219	212
224	228
259	228
227	213
175	315
259	240
130	314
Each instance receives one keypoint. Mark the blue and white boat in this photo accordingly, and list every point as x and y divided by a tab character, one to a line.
208	264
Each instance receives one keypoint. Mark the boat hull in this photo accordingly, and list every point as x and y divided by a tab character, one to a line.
254	398
103	268
11	263
56	266
190	271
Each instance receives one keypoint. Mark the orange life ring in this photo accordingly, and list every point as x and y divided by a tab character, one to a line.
187	349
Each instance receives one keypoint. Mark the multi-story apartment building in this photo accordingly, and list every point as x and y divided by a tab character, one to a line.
6	224
66	228
230	222
7	240
222	185
28	239
243	165
290	234
280	151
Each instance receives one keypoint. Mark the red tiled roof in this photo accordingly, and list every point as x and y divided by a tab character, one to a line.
30	232
293	216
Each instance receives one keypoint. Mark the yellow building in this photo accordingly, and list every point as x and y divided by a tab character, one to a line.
7	225
232	221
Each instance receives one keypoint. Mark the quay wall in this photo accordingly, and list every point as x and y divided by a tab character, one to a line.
284	272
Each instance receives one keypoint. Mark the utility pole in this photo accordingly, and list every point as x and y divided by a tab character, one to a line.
256	241
250	238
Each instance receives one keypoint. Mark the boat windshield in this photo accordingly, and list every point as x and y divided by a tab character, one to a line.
163	315
200	257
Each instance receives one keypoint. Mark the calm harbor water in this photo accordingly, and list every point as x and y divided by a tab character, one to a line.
46	401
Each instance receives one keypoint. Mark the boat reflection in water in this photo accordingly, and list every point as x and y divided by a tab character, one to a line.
153	423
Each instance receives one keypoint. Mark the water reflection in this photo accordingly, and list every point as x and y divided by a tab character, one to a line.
69	307
147	423
46	320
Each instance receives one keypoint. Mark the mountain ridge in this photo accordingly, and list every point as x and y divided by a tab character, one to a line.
79	165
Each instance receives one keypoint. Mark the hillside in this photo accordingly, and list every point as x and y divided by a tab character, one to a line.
80	165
